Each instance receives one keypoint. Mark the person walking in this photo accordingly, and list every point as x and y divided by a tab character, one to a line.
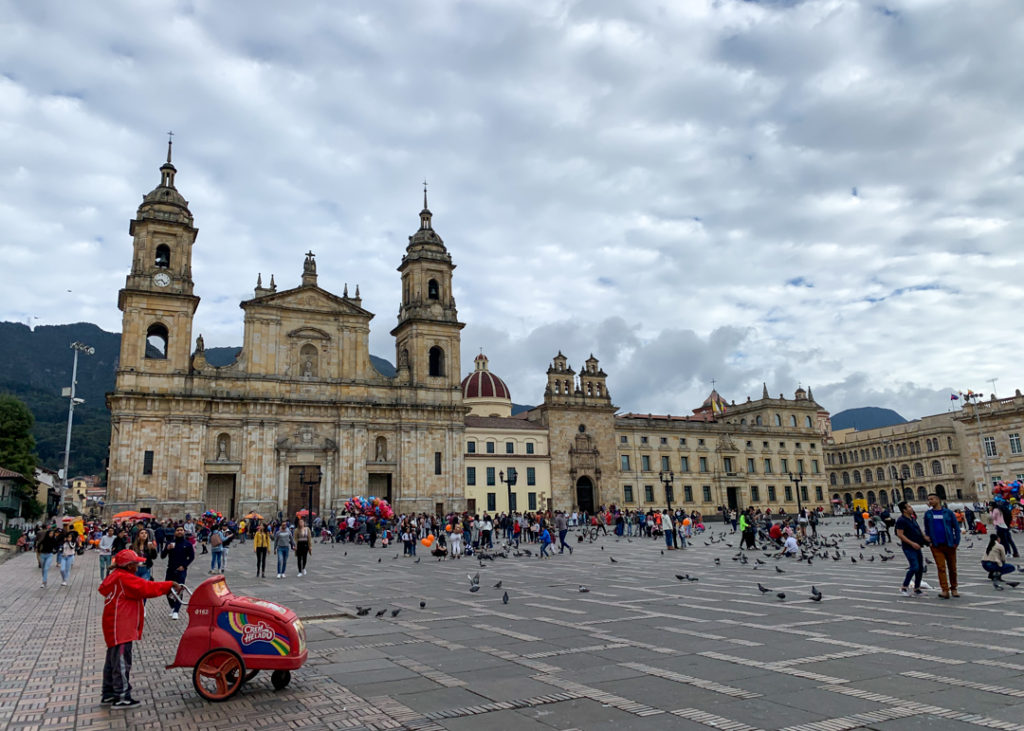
943	533
667	529
106	543
180	554
48	547
303	546
261	544
68	551
216	549
144	546
912	540
1001	521
123	594
545	543
562	526
456	549
283	541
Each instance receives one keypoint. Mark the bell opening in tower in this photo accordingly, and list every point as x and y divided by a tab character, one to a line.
156	341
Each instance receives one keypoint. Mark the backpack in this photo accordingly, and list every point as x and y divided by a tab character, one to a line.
215	539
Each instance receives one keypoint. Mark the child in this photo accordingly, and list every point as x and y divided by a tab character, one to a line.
873	533
123	618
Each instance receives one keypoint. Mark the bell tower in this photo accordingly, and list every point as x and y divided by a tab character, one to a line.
157	299
427	336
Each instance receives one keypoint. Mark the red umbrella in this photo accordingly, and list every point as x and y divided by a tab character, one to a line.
143	515
303	513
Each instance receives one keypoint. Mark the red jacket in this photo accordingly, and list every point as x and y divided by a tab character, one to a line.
122	609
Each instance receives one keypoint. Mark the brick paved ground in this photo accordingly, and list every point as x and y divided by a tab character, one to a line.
641	650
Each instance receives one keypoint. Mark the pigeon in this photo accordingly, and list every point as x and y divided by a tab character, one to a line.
378	560
1013	584
781	595
498	585
363	611
417	560
474	588
612	559
394	612
779	571
504	598
474	579
759	562
814	590
583	589
718	562
381	612
872	559
692	578
346	553
602	548
423	604
815	597
853	560
395	558
681	577
762	589
663	552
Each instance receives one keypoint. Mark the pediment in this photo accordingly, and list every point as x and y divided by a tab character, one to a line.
309	299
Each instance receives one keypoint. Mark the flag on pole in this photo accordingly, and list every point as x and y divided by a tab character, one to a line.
954	397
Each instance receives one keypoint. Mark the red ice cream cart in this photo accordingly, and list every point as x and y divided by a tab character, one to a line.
231	638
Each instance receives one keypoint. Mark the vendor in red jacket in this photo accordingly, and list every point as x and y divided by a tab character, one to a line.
123	617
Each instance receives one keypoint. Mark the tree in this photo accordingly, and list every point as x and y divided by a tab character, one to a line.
17	445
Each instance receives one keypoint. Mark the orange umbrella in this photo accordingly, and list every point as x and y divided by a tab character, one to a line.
254	516
303	513
124	514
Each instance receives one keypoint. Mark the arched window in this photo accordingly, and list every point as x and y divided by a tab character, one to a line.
832	479
778	420
436	361
792	420
879	475
433	290
758	421
908	494
871	497
893	474
848	498
867	475
743	421
940	491
308	361
936	467
918	469
905	471
856	477
163	256
807	422
860	496
883	498
922	493
156	341
846	478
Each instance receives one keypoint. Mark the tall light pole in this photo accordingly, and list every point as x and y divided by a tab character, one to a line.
509	482
796	480
72	401
667	478
981	440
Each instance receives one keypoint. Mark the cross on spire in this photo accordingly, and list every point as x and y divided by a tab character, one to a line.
170	142
424	194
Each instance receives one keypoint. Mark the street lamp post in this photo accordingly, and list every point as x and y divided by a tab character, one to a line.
796	480
981	439
72	402
667	478
510	482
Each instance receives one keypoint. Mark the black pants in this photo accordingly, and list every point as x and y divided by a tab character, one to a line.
748	539
116	669
301	554
261	560
179	577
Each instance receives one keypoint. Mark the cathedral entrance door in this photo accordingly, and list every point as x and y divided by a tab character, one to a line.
379	485
220	494
302	479
733	498
585	495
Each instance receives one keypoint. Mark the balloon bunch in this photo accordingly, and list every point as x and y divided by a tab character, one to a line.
1007	490
370	506
212	514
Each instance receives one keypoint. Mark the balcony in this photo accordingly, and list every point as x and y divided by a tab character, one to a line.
10	504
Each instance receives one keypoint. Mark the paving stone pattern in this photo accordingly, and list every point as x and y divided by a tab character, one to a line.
640	650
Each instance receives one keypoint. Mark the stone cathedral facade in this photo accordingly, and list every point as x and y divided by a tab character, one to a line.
301	415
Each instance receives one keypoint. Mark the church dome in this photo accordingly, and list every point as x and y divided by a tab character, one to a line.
481	383
164	202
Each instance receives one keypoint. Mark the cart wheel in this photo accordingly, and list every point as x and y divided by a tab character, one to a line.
280	679
218	675
250	675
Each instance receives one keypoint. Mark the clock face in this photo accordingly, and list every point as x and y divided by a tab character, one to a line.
162	279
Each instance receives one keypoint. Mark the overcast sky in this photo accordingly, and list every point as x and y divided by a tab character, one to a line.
819	193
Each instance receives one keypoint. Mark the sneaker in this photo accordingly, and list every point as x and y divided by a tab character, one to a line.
955	593
126	703
63	583
107	700
43	585
174	615
943	595
904	592
918	592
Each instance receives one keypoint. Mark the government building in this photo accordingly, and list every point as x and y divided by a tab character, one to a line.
302	417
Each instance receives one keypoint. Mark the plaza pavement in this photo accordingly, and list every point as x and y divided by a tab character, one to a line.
640	650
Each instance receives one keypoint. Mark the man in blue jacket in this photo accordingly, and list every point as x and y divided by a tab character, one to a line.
943	531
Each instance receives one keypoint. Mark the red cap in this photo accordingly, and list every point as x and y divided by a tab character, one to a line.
127	556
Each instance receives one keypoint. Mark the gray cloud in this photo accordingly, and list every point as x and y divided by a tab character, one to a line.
653	184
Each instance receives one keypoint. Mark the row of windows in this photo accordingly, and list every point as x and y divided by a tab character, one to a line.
755	493
883	495
701	443
991	449
727	464
903	449
879	473
492	502
777	421
490	446
531	476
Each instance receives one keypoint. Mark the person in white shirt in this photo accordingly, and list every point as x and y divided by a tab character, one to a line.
790	548
106	544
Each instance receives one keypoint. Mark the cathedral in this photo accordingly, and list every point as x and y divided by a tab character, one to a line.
302	418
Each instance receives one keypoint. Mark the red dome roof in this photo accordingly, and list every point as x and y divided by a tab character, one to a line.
484	384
